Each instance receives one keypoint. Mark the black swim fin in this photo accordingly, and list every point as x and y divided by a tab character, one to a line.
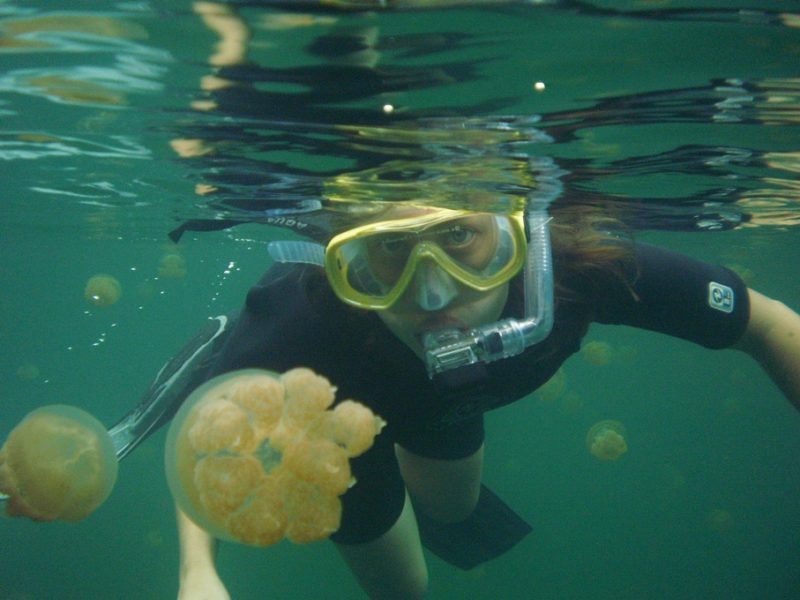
491	530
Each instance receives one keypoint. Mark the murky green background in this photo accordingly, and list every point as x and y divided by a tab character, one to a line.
706	503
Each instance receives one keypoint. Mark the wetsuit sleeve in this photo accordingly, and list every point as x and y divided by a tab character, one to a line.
677	295
276	329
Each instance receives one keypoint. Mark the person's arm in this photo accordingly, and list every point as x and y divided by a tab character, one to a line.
772	338
198	579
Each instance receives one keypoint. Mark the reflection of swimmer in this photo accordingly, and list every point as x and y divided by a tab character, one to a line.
58	463
417	312
254	458
22	32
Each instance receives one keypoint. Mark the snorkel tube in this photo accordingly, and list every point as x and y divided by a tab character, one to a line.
454	348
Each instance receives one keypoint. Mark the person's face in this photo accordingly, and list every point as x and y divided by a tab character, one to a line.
470	308
437	266
470	241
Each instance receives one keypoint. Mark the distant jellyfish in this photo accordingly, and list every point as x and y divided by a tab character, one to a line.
102	290
571	402
606	440
57	464
145	291
154	538
674	477
553	388
625	354
28	372
254	457
172	266
731	405
719	520
745	273
597	353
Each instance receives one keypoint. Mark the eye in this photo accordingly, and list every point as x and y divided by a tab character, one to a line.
459	236
393	246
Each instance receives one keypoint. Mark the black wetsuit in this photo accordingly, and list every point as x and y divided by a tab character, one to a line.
291	318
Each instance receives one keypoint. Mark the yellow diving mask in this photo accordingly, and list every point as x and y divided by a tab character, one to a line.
372	266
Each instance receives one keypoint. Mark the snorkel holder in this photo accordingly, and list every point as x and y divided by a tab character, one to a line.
454	348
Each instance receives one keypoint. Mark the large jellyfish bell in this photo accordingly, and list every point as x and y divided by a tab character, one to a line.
254	457
57	464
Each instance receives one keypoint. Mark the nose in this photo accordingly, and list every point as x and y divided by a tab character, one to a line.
434	288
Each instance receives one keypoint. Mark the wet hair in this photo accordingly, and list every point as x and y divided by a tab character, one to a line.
590	245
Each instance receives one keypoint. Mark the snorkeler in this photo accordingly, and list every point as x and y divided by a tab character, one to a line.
433	316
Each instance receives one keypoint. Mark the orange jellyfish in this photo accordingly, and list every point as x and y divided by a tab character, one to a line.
102	290
553	388
28	372
58	463
606	440
597	353
720	520
172	266
254	457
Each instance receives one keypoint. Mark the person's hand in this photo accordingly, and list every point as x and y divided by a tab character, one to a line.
202	584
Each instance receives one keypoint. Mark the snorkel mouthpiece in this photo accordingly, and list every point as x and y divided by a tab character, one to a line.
452	348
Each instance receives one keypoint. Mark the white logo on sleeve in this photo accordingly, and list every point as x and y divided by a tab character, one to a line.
720	297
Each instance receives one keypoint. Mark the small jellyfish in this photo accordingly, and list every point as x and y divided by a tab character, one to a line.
102	290
554	387
625	355
571	402
720	520
606	440
172	266
154	538
58	463
254	457
745	273
28	372
597	353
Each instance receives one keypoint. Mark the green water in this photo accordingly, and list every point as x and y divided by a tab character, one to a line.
91	96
